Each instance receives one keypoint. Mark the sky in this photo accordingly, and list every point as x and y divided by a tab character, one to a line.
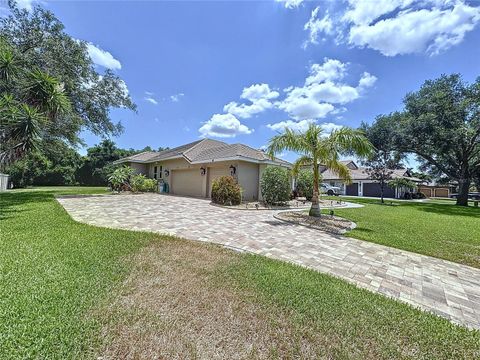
241	71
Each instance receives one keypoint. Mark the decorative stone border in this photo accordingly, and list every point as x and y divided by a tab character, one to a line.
342	231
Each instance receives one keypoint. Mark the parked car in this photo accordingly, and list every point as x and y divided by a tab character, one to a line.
329	189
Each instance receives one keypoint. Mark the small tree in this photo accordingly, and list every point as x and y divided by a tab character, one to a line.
304	183
380	168
317	148
275	185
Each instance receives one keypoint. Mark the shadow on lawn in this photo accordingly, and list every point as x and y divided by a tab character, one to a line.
10	201
447	209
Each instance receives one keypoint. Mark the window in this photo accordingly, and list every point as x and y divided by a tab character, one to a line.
155	173
161	172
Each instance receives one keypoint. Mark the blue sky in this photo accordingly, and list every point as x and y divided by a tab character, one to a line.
240	71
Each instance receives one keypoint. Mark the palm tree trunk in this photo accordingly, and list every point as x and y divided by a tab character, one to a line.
315	208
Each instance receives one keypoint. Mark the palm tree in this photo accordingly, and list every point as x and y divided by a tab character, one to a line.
316	148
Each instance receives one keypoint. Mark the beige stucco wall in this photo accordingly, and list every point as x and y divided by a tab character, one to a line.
248	179
139	168
248	174
261	169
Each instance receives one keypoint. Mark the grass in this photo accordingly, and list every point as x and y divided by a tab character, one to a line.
52	272
69	290
434	228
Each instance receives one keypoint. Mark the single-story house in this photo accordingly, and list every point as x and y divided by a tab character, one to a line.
362	184
433	189
190	169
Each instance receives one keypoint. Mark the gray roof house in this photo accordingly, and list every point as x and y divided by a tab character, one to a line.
190	169
362	184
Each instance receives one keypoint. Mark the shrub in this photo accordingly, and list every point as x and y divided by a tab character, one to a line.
226	191
150	185
120	178
275	185
141	183
304	184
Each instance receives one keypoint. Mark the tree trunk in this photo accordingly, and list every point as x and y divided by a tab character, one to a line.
315	208
463	187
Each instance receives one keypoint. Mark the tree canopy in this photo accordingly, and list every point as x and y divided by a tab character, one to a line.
49	86
441	125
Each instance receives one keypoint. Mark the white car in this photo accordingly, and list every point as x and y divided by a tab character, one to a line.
329	190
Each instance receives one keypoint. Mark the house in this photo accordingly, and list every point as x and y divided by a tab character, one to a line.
362	184
190	169
433	189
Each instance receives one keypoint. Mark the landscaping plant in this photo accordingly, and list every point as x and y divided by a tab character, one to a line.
304	183
275	185
120	178
226	191
317	149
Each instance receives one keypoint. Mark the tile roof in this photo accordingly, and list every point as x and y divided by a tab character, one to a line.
141	157
206	150
361	174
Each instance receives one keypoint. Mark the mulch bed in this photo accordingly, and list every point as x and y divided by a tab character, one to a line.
328	223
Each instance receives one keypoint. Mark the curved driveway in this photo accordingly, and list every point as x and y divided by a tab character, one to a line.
448	289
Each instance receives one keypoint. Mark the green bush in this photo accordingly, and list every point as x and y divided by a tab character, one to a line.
226	191
120	178
305	183
150	185
140	183
275	185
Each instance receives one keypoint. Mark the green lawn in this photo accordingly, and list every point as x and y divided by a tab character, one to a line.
57	275
435	228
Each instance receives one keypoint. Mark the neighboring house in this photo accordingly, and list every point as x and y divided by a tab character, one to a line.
432	189
190	169
362	184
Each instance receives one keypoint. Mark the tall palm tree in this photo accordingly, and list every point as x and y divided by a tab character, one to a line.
316	148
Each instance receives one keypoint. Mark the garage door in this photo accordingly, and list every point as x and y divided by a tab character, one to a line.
373	189
187	182
215	173
352	189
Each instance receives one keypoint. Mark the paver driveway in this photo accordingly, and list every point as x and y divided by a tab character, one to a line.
445	288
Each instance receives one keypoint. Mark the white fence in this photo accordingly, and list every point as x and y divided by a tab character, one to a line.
3	182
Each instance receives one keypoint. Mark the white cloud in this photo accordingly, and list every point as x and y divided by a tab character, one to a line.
149	93
398	27
259	95
102	57
28	4
322	94
300	126
223	126
151	100
367	80
413	31
331	69
176	97
316	98
329	127
259	92
303	125
291	4
317	26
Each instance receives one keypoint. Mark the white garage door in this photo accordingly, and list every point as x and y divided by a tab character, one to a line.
215	173
187	182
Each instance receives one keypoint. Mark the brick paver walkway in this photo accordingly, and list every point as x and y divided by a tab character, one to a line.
448	289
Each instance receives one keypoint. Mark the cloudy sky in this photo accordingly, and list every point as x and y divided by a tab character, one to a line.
242	71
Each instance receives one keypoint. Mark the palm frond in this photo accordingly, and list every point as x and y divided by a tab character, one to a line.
304	160
340	169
